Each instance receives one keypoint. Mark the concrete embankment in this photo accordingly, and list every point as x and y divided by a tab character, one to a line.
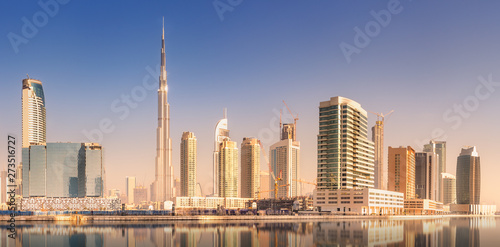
158	218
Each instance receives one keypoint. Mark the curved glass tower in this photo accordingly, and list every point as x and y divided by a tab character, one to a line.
468	177
33	114
221	133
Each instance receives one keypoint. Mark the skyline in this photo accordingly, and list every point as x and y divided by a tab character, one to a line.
253	119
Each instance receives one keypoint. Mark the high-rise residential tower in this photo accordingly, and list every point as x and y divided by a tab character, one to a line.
33	120
164	171
426	175
140	194
345	155
228	169
250	167
402	171
221	133
439	148
285	163
264	184
33	114
468	177
130	186
188	164
378	140
449	188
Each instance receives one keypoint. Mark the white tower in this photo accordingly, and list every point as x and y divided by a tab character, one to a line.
164	170
221	132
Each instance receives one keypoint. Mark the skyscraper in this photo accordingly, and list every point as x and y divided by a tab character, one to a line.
285	163
188	164
140	194
91	175
130	186
449	188
228	169
33	120
250	167
439	148
426	175
33	114
221	133
378	140
345	155
164	187
264	184
63	170
401	175
468	177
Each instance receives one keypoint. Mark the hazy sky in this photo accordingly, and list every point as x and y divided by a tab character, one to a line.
424	63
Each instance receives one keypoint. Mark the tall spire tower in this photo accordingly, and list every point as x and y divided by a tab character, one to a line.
164	171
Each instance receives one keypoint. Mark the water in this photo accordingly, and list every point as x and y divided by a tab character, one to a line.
474	231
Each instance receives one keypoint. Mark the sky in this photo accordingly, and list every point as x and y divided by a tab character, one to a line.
434	63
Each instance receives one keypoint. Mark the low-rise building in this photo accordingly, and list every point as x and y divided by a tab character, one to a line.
363	201
423	207
474	209
62	204
210	202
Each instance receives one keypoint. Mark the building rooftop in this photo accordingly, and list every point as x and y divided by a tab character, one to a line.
469	151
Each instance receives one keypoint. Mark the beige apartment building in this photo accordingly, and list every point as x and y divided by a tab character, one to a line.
250	167
228	169
188	164
402	171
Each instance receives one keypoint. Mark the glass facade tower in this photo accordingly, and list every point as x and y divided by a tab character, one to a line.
438	148
38	170
63	170
90	172
426	175
468	177
345	155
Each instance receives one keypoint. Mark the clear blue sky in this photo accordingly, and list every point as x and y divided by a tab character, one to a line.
427	59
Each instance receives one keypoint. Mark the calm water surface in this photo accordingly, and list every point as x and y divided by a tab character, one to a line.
476	231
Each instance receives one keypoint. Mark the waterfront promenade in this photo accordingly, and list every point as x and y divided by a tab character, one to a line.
216	218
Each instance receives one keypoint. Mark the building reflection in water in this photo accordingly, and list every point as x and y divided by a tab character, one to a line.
463	231
358	233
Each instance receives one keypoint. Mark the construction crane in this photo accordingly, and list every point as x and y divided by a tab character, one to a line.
381	116
295	118
260	192
305	182
271	171
265	191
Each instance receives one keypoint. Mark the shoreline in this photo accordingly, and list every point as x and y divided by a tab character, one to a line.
216	218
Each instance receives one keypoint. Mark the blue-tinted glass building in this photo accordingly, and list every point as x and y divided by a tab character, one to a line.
90	172
63	170
468	187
